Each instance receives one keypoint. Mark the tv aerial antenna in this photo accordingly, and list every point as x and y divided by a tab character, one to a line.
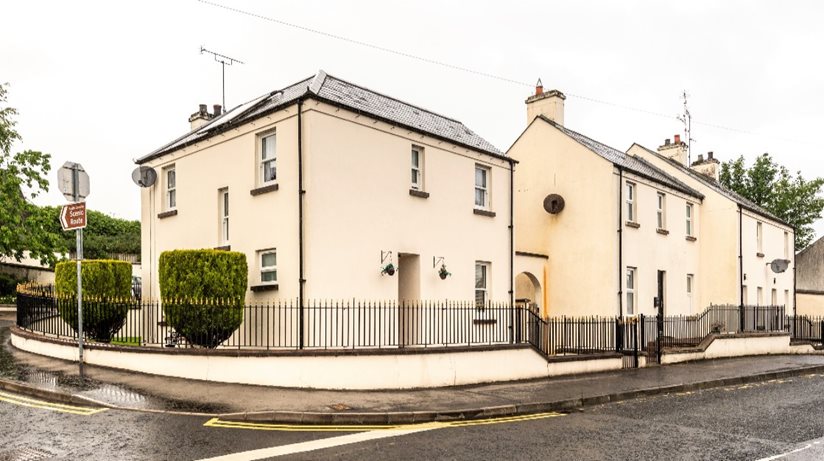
686	118
224	61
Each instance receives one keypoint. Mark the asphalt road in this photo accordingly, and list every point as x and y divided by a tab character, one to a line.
747	422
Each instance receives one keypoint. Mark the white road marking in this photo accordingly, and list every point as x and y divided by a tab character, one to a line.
303	447
797	450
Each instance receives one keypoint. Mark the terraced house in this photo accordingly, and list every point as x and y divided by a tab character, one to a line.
335	191
605	232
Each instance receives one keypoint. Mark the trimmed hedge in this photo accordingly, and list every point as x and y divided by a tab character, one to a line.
203	293
107	286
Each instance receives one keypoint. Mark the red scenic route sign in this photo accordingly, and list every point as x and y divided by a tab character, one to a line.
73	216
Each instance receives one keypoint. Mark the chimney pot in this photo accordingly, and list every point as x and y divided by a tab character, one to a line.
700	158
218	109
678	139
202	109
539	88
667	142
709	155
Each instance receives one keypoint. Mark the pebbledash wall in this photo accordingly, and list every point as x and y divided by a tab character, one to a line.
386	370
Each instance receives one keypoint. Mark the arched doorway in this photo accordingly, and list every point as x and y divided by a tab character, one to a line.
528	291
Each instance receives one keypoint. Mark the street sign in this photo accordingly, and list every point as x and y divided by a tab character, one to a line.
65	181
73	216
73	182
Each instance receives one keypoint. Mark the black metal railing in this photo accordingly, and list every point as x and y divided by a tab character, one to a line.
356	324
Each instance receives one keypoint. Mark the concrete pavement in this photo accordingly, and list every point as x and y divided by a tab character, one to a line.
255	403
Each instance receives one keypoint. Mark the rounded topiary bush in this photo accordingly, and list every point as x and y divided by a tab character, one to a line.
203	293
107	288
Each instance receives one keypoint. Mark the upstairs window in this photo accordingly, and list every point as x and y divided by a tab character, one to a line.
481	187
417	168
786	245
689	220
630	202
662	211
759	235
268	159
171	188
223	211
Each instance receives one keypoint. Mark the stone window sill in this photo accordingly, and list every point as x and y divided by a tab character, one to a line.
662	231
418	193
264	287
167	214
633	224
224	248
481	212
690	238
263	190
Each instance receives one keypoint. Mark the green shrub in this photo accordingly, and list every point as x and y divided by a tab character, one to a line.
107	288
203	292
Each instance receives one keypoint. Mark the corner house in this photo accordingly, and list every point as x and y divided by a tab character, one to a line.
335	191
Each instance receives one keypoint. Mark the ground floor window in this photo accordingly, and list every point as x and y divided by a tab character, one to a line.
631	290
268	266
481	283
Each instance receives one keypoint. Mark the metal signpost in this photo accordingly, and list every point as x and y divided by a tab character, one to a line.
73	182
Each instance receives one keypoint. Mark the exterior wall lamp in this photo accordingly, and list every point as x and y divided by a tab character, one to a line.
442	272
387	268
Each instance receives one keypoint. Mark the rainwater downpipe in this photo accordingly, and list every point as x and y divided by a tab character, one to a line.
620	242
301	280
512	250
741	259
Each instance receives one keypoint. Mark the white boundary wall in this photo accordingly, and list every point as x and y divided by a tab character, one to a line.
737	347
359	372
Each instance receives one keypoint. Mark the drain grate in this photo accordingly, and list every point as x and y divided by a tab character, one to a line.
25	454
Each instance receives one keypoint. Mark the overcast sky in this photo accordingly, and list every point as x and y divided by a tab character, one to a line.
102	83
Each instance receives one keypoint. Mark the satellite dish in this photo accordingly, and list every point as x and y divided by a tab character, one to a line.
144	176
554	203
779	265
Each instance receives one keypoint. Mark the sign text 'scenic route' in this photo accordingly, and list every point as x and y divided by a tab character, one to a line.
73	216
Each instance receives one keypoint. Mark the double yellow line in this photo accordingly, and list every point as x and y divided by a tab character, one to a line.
43	405
218	423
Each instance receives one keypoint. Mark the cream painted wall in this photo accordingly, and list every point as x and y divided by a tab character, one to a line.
810	304
581	240
649	251
357	204
756	268
718	239
256	222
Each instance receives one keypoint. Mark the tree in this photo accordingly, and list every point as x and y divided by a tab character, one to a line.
25	226
104	237
771	186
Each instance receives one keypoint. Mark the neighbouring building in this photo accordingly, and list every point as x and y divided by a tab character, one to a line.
599	231
28	268
323	185
746	254
809	264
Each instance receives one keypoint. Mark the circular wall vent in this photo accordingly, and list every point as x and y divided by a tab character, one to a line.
554	203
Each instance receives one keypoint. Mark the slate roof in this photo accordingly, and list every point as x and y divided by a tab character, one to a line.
717	187
628	162
338	92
